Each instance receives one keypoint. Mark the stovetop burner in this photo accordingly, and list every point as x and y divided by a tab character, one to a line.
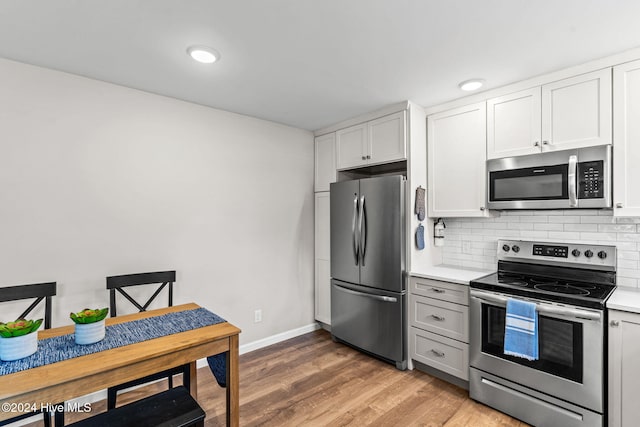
561	288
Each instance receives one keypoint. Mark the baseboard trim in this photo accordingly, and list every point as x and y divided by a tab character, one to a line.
273	339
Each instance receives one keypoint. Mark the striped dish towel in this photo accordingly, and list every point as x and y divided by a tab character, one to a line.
521	330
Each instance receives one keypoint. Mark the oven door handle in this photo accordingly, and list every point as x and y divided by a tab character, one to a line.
541	308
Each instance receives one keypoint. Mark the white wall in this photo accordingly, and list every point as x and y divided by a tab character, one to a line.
97	180
589	226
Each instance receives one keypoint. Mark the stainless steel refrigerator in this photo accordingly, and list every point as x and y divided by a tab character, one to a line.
368	291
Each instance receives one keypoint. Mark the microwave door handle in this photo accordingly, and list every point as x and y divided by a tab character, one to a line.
573	191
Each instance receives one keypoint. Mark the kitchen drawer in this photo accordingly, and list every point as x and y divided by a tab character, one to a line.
440	317
441	353
445	291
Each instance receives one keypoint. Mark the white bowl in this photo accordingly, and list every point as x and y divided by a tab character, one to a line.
89	333
15	348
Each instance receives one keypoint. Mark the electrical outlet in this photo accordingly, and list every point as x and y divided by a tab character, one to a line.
466	247
257	316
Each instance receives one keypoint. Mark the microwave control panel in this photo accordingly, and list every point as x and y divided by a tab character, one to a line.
590	180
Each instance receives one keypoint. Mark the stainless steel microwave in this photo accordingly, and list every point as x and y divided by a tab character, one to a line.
579	178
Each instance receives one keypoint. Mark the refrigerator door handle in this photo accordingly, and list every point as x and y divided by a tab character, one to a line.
364	294
353	228
362	229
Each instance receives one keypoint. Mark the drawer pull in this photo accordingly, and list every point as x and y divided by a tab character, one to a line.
437	353
438	318
437	291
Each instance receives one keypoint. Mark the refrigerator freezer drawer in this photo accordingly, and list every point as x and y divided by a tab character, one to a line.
369	319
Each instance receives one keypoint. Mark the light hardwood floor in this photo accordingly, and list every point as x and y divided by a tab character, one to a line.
312	381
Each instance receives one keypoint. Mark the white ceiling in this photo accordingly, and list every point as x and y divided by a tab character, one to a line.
311	63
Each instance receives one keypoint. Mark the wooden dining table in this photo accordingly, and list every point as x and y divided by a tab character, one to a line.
76	377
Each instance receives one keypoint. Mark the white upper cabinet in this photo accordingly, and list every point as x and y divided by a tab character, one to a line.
325	172
351	146
576	112
378	141
513	124
456	144
569	113
626	142
387	139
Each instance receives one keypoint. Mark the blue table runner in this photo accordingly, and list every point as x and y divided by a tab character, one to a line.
57	349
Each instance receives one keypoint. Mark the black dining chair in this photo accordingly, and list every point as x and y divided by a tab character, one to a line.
40	292
117	285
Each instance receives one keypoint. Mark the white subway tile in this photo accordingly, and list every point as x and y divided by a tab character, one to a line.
564	235
491	266
631	255
621	228
495	225
629	237
581	227
628	272
629	220
583	212
490	252
548	227
609	237
534	234
626	263
549	212
627	282
483	245
452	262
605	212
507	219
597	220
472	264
507	234
625	246
534	218
520	226
565	219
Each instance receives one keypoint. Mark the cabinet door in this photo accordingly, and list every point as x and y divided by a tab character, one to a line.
322	259
576	112
456	157
513	124
624	369
626	139
351	146
325	161
387	140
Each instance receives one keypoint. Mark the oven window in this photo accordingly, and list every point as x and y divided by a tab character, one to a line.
560	343
541	183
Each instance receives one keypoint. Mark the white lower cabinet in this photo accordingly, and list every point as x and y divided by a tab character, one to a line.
322	259
439	325
624	369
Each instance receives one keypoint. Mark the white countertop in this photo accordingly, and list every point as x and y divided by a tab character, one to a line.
625	299
451	273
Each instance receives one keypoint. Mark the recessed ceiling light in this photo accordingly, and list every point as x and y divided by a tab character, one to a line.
473	84
203	54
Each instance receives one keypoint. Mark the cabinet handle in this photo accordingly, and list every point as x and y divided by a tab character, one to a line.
437	352
536	144
482	208
364	158
614	323
618	205
545	142
368	156
438	318
437	291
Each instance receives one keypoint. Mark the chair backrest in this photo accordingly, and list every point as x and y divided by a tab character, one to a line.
39	291
117	283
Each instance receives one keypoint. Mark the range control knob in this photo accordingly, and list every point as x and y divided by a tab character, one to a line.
505	248
588	253
515	248
602	254
575	252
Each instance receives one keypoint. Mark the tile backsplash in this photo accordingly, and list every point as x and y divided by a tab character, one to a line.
472	242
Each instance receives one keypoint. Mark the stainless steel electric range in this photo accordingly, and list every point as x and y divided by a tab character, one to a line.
569	283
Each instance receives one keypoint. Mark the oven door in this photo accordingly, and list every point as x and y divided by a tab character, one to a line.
571	349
